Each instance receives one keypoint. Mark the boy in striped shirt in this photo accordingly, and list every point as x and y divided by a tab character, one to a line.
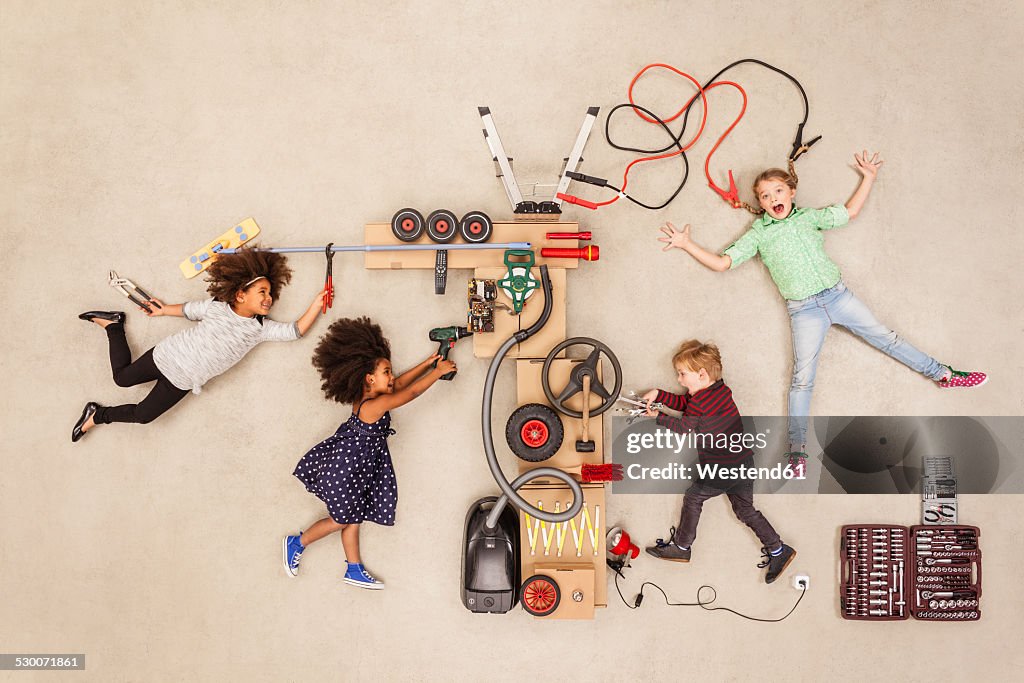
708	409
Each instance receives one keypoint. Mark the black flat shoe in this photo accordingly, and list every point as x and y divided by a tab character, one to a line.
87	412
113	316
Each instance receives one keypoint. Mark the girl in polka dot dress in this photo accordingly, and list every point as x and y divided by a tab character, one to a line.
351	470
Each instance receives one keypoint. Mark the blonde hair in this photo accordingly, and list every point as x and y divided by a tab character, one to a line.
772	174
696	355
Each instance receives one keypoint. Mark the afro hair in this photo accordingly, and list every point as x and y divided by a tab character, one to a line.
231	273
346	354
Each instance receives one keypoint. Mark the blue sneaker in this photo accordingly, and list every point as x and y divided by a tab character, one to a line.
292	550
356	575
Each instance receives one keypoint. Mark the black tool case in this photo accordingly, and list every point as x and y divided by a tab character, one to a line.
890	572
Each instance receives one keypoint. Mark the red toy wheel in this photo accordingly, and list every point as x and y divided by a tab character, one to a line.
534	432
540	595
407	225
442	226
475	227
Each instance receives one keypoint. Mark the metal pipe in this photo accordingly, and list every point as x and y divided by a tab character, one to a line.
385	247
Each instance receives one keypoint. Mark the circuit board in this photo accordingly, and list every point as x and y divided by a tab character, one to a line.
481	296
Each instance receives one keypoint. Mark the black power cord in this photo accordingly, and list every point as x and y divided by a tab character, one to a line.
703	604
601	182
799	147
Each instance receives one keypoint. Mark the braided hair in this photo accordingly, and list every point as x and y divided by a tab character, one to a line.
232	273
350	350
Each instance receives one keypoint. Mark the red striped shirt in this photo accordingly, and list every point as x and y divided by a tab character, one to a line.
712	412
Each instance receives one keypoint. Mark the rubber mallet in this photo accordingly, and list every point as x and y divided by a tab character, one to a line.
586	445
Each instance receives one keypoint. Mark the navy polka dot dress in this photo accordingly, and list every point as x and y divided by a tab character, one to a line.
351	472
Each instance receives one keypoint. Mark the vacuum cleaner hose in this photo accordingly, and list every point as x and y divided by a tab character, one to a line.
509	490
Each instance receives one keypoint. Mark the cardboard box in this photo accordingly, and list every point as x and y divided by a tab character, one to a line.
380	234
529	390
574	581
485	345
539	543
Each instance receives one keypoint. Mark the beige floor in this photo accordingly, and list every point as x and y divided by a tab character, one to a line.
131	133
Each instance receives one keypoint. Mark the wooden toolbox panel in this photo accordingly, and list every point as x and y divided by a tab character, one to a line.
572	579
380	234
485	344
529	390
556	545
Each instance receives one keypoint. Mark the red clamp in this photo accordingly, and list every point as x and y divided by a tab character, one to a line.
576	200
732	196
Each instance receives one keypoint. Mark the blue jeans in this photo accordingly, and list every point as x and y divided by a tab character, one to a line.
810	319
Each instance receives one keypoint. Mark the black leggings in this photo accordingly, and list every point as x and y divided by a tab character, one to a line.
127	374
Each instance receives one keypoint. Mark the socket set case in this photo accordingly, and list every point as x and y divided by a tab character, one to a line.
891	572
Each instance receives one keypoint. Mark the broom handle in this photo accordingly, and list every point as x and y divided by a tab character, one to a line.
586	407
390	247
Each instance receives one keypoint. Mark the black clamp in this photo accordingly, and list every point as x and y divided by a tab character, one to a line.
798	144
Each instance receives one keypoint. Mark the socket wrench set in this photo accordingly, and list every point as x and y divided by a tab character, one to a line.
929	572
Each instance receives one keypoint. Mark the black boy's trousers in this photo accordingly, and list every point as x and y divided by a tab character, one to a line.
741	495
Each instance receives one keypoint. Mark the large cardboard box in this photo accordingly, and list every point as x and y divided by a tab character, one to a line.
574	548
485	345
530	390
380	234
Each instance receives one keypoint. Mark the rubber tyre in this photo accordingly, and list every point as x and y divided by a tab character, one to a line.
442	226
534	432
540	595
407	225
476	227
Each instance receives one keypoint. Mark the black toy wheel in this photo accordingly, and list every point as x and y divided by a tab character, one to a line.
580	370
407	225
475	227
540	595
534	432
442	226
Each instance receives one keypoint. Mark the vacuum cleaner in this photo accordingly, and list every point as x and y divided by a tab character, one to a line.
490	552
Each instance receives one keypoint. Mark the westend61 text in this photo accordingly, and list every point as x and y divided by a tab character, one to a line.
739	472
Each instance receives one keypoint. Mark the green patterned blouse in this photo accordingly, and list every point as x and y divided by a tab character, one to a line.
793	249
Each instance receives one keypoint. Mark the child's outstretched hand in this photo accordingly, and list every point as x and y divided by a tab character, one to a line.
649	398
156	308
679	239
318	300
446	366
867	167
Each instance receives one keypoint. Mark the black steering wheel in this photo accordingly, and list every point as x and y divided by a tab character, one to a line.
588	368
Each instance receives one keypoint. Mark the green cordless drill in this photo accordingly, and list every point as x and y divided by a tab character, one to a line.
446	338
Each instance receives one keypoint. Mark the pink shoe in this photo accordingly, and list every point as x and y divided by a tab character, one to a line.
797	461
958	378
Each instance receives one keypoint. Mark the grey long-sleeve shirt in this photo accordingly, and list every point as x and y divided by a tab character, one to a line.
192	357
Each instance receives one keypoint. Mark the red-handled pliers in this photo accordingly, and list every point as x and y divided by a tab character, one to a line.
328	280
